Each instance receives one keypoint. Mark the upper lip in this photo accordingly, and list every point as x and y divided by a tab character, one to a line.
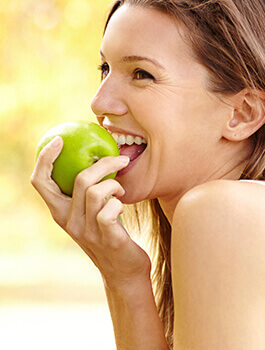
113	130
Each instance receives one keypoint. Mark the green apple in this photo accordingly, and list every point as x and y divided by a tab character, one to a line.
84	143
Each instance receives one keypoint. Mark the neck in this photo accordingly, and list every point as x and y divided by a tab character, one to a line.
168	205
231	166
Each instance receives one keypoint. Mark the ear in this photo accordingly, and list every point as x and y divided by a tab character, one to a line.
247	116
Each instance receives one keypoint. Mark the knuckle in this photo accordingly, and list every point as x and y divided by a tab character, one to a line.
80	180
93	194
115	187
116	202
111	182
35	180
104	219
112	185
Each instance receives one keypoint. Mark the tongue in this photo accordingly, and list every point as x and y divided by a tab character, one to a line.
132	151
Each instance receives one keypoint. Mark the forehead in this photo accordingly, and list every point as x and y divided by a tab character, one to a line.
135	29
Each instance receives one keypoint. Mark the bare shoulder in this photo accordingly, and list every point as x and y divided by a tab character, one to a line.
224	205
218	267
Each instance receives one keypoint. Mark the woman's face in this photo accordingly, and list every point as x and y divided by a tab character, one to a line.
153	87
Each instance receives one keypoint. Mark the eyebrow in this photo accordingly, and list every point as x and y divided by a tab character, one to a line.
135	59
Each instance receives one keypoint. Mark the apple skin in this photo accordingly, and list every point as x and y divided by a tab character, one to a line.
84	143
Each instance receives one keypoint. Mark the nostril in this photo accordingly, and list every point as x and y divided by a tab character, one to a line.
100	120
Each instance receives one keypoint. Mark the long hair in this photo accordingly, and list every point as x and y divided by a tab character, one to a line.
228	38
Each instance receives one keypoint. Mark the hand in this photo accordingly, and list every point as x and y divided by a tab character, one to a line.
91	219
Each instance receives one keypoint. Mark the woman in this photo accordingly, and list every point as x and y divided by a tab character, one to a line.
188	78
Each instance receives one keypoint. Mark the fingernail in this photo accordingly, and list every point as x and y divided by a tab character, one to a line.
56	141
124	159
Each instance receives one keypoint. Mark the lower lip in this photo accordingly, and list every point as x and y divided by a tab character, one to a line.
129	166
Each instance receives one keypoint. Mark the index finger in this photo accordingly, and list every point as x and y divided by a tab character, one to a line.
96	172
93	175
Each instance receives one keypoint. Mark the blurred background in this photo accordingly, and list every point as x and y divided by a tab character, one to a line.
51	295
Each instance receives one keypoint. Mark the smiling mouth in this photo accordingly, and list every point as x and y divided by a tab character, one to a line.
129	145
133	151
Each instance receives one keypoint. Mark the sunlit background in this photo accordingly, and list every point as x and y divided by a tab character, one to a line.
51	296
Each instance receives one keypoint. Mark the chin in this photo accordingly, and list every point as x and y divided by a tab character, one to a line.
131	197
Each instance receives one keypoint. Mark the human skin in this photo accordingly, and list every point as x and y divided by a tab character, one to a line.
181	120
190	141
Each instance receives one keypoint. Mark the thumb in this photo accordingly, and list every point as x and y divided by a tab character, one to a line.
47	157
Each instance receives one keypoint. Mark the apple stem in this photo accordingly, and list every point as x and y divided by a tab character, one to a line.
95	159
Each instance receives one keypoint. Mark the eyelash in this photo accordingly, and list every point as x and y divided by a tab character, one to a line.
103	67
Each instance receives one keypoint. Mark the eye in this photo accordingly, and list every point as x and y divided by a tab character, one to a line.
104	68
138	74
142	74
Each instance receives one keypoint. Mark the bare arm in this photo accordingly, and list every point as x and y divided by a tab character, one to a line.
93	224
218	268
135	318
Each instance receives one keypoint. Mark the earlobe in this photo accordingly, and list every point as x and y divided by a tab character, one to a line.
247	117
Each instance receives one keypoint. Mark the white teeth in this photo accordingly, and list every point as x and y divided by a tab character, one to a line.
115	136
138	140
121	140
128	139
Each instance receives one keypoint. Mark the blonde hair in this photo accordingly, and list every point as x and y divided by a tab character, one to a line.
228	38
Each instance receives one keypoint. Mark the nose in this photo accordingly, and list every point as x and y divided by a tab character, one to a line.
108	100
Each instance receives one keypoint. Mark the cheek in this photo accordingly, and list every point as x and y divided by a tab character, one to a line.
155	107
167	102
190	113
